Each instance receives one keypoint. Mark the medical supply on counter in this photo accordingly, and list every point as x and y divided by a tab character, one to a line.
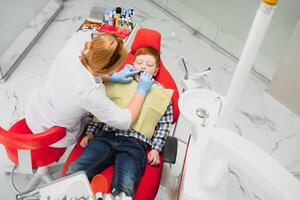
108	15
114	20
88	25
122	33
119	17
96	15
75	186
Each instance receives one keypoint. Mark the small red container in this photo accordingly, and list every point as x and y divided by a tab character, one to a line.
122	33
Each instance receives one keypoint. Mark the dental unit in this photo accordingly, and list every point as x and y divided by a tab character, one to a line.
197	80
212	149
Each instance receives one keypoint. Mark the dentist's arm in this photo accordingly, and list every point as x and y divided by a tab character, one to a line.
97	103
123	76
136	103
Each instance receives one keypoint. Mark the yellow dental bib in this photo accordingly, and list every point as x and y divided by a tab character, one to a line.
154	107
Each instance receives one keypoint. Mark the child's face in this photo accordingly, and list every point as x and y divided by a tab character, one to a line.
146	63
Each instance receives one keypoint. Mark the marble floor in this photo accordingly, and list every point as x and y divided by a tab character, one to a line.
258	117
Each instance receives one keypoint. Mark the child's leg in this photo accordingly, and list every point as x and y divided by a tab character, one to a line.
97	156
129	165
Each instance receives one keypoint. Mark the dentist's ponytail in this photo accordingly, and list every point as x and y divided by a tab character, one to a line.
104	54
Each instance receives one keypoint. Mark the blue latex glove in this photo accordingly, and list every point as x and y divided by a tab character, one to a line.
145	83
123	76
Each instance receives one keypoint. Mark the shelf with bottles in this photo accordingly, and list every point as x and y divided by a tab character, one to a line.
115	20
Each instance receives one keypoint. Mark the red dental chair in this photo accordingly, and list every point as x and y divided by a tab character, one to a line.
149	182
30	151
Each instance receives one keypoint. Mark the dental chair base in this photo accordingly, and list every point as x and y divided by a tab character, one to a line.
210	183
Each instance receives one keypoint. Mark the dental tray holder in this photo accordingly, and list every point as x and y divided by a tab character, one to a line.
75	186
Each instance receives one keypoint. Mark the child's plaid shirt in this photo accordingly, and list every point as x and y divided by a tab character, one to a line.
158	139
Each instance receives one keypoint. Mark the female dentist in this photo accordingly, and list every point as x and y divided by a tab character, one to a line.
74	87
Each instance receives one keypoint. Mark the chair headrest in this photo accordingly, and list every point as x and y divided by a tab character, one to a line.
146	37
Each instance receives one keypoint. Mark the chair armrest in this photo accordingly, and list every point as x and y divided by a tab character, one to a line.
31	141
170	149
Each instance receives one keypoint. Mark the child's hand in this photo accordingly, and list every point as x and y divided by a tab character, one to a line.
85	140
153	157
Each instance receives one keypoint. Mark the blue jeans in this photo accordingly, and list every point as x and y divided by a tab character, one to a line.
126	153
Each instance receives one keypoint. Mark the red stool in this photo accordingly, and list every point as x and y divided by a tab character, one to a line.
30	151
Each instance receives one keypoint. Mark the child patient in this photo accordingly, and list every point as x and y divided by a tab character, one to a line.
127	149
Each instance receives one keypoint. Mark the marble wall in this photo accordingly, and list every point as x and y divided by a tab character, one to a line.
227	23
15	16
22	23
284	85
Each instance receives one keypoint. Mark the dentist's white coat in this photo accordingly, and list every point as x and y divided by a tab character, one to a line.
69	92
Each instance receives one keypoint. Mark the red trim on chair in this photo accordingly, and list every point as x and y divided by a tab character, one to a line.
20	137
146	37
183	167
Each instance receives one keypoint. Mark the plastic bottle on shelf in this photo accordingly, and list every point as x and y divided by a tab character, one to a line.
118	12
